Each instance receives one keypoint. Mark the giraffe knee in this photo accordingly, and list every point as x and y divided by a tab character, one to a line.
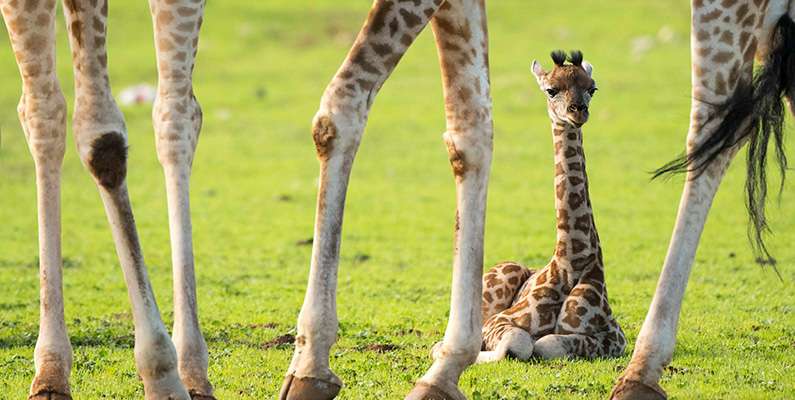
43	119
469	152
549	347
324	131
106	159
518	344
335	135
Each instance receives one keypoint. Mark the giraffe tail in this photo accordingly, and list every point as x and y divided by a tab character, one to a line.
760	102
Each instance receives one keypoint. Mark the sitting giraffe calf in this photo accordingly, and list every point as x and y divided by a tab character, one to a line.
561	310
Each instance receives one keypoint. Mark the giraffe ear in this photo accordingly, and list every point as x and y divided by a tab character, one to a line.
587	67
538	71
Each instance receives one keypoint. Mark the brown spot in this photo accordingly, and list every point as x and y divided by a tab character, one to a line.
742	11
563	219
570	152
560	249
546	293
592	297
722	57
186	11
560	190
572	320
412	20
583	223
578	246
510	268
727	37
108	162
712	15
382	49
493	281
31	5
35	43
575	200
582	262
378	15
559	169
524	321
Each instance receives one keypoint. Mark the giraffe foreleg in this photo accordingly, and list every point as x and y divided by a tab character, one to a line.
462	42
101	139
337	129
42	114
177	119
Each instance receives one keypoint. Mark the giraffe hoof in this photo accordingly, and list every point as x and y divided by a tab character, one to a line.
308	388
198	396
49	395
424	391
636	390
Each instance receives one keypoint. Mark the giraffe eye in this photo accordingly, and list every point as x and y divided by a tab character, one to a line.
592	91
552	92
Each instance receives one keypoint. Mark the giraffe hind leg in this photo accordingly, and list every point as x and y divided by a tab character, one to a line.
514	343
575	345
42	115
338	126
459	27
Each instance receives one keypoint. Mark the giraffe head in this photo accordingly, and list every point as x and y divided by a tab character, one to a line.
568	87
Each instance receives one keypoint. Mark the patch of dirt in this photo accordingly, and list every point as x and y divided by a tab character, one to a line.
381	347
280	341
268	325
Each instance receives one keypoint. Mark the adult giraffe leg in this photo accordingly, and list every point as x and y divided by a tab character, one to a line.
337	129
177	120
101	138
462	41
42	113
722	58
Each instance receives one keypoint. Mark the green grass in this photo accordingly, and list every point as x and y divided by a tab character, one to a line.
254	187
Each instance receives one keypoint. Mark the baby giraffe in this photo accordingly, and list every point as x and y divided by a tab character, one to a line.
561	310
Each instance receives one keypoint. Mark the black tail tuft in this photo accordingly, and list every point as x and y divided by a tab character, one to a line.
759	102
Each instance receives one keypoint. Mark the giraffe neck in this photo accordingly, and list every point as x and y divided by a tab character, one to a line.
577	247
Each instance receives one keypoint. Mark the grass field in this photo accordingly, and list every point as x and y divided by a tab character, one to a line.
261	69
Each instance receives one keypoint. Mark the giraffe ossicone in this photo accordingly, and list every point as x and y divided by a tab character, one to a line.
562	309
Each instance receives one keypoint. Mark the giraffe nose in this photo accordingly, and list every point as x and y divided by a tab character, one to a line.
582	107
